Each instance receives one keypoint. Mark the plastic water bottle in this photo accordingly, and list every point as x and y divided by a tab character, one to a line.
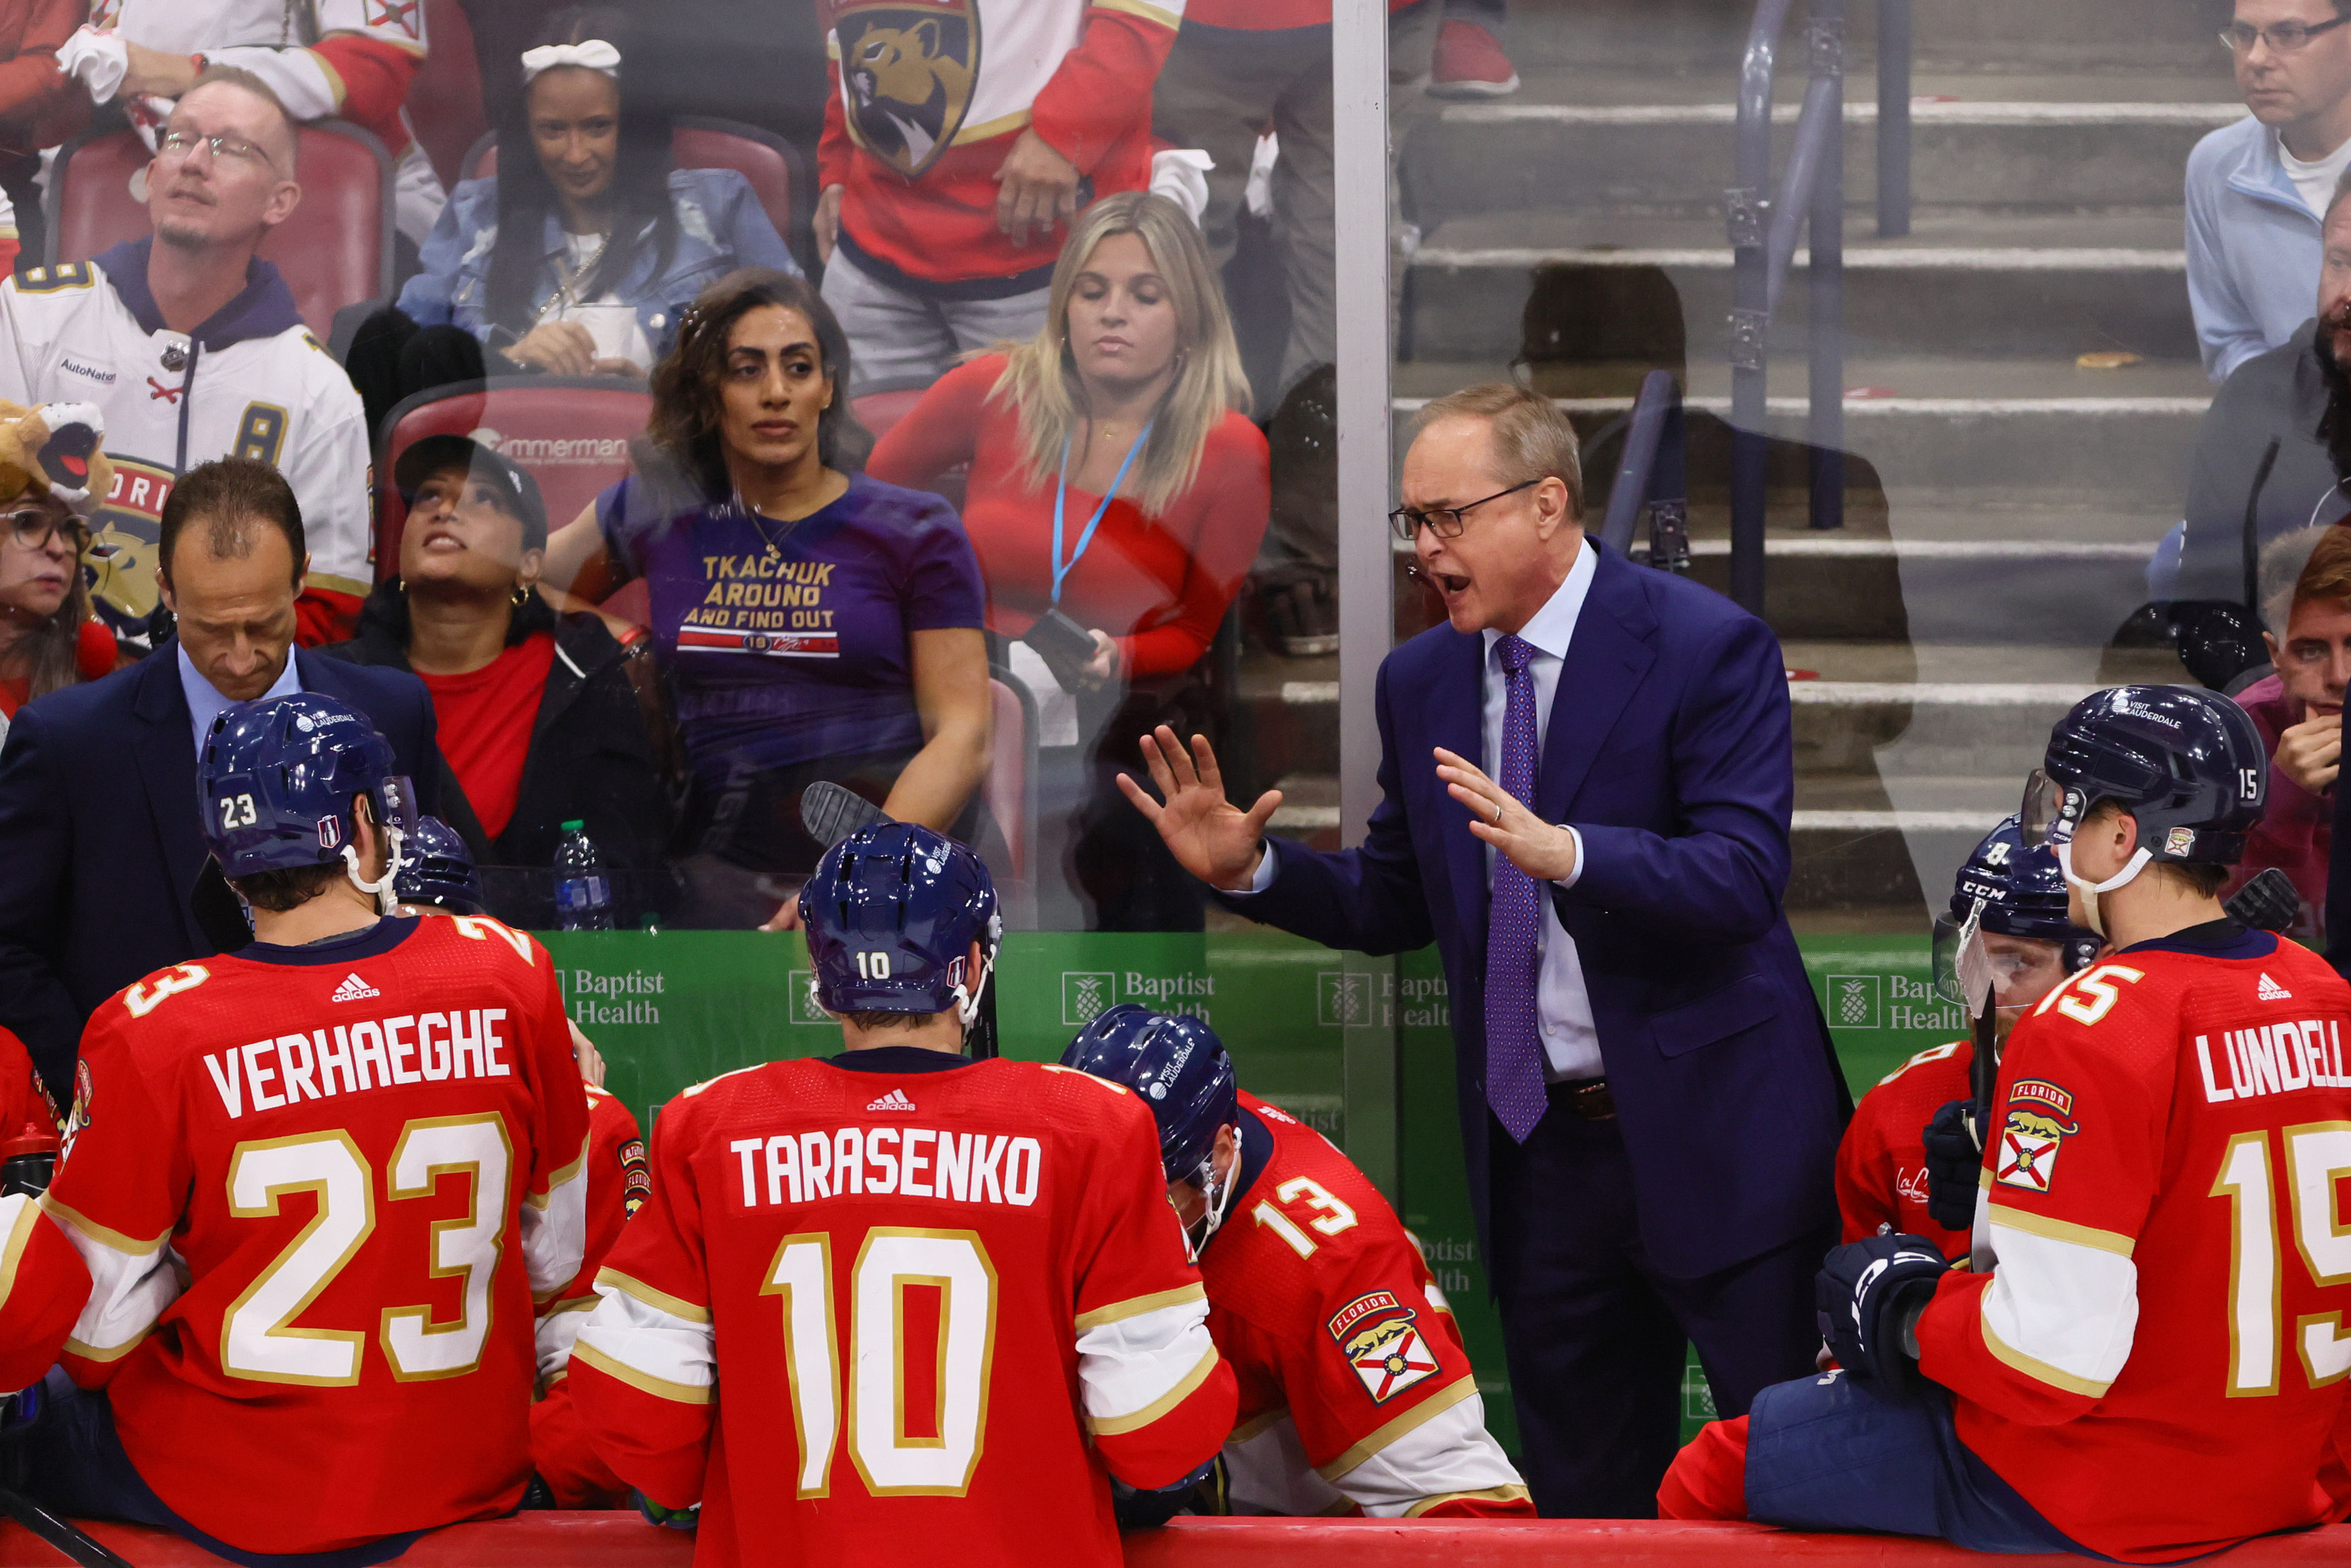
583	896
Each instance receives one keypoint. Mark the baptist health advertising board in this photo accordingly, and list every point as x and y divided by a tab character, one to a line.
1360	1048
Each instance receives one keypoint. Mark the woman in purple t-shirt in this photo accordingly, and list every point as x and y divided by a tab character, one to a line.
816	623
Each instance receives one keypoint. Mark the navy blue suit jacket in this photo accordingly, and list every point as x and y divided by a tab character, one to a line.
100	835
1669	751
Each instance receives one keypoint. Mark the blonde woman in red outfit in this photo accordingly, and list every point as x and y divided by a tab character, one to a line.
1115	479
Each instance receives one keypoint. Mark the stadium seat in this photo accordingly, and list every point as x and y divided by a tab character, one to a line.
1011	790
594	1539
445	102
572	432
778	173
336	250
877	411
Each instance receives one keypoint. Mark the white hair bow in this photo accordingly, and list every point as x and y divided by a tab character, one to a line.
594	55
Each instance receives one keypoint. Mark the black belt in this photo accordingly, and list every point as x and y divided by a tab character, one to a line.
1587	1097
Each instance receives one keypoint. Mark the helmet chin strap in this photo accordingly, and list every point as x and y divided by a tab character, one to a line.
1220	1197
967	1002
2091	891
387	902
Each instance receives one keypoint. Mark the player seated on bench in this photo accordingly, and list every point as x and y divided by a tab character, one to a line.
1882	1169
1356	1394
318	1183
943	1298
2147	1360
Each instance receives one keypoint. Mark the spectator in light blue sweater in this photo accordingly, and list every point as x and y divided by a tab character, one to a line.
2256	189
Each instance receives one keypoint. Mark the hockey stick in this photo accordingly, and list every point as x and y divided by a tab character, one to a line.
831	813
60	1533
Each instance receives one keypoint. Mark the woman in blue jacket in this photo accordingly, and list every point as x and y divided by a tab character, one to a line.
577	256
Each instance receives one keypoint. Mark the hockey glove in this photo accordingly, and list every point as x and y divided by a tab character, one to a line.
669	1517
1954	1161
1139	1510
1867	1293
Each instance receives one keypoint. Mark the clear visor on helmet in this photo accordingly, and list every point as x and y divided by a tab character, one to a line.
2012	972
398	798
2041	818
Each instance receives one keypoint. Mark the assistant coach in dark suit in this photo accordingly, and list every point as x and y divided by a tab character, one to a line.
101	861
1649	1105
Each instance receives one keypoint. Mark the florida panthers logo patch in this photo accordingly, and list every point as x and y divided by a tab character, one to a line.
636	1180
2038	1125
1376	1335
79	1117
907	72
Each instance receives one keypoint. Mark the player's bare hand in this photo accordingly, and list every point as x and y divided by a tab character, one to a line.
1036	187
828	222
590	1060
558	348
1102	668
2311	753
786	918
1209	836
159	72
1544	850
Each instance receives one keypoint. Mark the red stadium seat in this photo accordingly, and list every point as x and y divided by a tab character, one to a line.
778	173
877	411
572	432
336	250
1011	792
445	102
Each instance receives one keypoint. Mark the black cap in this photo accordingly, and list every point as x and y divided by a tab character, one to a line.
517	490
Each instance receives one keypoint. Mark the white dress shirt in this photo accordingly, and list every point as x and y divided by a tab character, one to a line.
1571	1041
205	704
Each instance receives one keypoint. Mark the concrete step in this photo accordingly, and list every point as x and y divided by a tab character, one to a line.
1606	285
2049	157
2129	452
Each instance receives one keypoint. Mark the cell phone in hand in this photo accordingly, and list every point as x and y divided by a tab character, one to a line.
1066	647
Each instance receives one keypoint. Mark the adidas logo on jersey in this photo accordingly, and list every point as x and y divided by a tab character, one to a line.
893	1100
353	989
2268	990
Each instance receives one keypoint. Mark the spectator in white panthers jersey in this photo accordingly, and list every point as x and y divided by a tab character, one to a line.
193	349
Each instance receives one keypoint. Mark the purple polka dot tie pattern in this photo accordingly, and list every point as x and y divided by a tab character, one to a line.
1514	1058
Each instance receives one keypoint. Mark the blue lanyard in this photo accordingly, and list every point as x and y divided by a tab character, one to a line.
1061	500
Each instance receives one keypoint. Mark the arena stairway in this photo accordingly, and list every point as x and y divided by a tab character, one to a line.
625	1541
2002	500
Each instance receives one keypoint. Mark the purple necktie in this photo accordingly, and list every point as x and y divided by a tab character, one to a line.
1514	1058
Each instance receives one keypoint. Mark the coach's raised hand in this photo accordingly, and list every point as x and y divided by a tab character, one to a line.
1209	836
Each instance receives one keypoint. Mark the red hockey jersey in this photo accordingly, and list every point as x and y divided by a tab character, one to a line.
928	96
1881	1166
2156	1355
317	1189
1356	1395
43	1282
897	1305
618	1182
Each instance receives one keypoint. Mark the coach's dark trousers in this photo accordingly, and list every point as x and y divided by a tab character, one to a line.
1594	1332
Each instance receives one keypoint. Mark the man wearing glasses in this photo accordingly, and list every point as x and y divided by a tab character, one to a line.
1587	779
2258	189
194	350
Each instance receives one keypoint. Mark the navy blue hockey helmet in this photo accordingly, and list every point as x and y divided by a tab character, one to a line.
437	868
1176	1065
2188	764
2021	890
890	916
276	781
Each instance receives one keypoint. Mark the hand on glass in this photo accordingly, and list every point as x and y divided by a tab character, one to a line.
1543	850
558	348
1103	667
1208	835
2311	753
786	918
828	222
1036	188
590	1060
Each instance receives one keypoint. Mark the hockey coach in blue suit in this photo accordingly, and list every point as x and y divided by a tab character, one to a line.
1587	777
